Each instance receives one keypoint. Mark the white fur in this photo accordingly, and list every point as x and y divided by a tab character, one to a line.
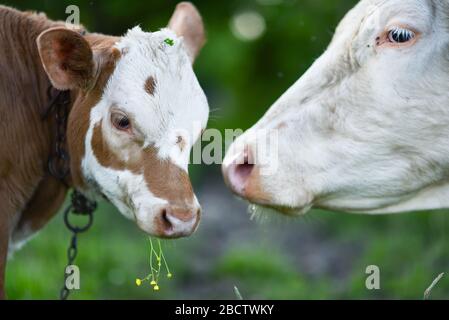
367	126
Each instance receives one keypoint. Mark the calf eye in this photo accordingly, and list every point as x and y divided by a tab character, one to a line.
401	35
120	121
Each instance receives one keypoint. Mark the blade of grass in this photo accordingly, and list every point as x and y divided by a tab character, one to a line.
237	293
430	288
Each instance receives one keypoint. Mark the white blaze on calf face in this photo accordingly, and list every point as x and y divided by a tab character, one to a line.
365	129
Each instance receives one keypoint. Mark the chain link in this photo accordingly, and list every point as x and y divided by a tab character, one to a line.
79	205
72	252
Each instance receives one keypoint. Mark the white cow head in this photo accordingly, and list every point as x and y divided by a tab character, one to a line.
366	129
131	128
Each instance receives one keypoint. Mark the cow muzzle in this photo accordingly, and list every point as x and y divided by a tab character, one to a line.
243	176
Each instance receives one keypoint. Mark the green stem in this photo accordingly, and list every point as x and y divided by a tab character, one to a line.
151	258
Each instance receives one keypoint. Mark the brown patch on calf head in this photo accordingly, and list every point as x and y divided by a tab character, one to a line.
102	151
150	85
110	159
166	180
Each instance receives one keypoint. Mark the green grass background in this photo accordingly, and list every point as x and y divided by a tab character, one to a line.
411	250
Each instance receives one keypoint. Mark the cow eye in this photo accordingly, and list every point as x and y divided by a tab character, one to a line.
120	121
401	35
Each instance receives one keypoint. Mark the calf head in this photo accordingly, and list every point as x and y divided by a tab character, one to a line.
366	127
131	127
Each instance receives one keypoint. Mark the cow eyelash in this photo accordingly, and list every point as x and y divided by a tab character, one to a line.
120	121
401	35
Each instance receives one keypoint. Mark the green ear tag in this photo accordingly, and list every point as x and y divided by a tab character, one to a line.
169	41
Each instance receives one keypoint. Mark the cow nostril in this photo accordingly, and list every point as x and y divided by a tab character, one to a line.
239	175
243	170
247	166
238	172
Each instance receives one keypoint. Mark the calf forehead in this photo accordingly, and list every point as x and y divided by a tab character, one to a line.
154	80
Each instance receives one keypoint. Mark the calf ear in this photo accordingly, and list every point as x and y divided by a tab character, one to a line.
67	58
186	22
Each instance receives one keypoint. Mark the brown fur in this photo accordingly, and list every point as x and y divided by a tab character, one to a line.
164	179
29	197
25	138
47	200
73	54
150	85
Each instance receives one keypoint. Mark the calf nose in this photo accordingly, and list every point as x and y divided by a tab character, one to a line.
177	222
238	171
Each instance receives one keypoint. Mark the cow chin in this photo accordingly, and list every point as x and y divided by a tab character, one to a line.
263	210
268	201
158	218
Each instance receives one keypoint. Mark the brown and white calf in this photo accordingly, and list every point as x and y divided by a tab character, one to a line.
130	129
366	128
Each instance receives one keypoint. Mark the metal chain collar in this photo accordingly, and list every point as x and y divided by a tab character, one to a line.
58	162
59	167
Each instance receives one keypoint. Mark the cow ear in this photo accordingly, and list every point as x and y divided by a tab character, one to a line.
187	22
67	58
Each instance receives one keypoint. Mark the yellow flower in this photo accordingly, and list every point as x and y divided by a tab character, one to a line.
156	261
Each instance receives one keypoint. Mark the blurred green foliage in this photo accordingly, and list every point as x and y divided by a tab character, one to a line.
241	79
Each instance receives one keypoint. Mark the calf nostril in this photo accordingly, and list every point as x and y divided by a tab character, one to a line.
175	221
243	171
165	220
